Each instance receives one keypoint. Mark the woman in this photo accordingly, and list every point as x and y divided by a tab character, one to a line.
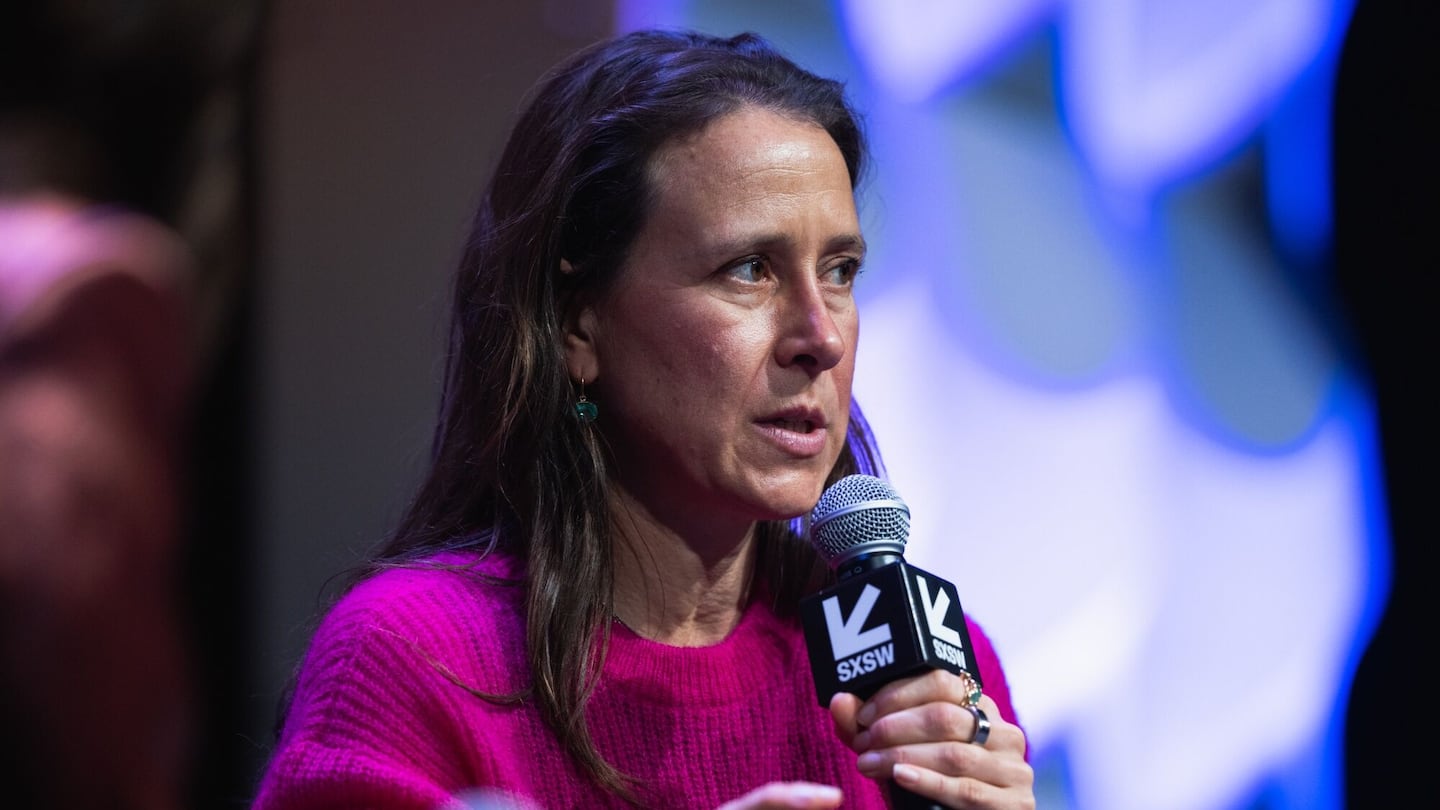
591	601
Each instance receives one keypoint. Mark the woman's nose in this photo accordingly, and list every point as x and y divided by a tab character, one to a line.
809	336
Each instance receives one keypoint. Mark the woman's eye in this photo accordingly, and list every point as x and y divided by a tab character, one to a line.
843	273
749	270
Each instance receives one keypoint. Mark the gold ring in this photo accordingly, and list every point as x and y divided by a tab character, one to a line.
972	690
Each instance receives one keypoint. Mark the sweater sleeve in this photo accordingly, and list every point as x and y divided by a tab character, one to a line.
367	727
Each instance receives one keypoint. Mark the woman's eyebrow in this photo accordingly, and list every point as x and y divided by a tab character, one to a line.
840	243
850	242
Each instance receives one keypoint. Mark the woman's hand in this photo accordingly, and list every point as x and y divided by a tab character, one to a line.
787	795
917	732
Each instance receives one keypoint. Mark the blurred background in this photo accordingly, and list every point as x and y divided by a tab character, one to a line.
1142	335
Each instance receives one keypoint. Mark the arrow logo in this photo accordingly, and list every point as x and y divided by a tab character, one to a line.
846	639
934	613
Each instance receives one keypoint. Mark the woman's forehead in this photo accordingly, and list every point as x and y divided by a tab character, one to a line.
745	140
746	156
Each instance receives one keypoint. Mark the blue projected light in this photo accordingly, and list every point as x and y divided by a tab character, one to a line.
1297	144
1157	91
1123	430
913	48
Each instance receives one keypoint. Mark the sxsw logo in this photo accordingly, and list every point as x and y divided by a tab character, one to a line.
945	639
859	651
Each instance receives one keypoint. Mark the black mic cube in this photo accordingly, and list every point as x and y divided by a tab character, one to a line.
883	624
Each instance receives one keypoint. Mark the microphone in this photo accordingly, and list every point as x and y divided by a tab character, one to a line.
883	619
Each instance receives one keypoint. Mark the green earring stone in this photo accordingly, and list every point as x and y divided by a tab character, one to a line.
586	411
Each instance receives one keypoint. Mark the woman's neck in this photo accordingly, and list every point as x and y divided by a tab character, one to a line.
685	591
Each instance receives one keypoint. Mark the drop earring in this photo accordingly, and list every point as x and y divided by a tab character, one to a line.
585	410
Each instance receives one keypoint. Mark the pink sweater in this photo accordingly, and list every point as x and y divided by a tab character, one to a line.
379	722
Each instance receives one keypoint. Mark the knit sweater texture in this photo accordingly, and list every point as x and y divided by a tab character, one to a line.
382	716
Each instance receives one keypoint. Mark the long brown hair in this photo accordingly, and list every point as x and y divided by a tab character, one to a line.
512	468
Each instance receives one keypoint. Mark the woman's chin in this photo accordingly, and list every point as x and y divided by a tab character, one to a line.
788	501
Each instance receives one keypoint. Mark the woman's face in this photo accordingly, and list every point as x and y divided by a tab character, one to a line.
722	358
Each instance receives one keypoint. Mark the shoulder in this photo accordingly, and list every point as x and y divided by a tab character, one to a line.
53	249
447	589
433	614
384	682
398	645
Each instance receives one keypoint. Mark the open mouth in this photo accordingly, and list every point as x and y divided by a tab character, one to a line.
794	425
799	432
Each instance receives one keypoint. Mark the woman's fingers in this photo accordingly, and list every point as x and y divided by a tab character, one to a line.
921	732
940	722
784	795
963	792
959	775
950	759
843	710
936	686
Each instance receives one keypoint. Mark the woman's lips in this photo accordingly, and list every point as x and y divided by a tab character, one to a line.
802	436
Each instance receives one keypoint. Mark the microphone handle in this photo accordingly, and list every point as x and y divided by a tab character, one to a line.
902	799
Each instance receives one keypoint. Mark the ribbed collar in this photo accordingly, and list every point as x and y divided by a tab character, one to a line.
762	650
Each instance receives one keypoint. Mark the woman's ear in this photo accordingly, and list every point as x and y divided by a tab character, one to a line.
581	354
581	351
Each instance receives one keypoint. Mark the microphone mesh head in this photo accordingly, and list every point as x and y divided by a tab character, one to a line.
858	514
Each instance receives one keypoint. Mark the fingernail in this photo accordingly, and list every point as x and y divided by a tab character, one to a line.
869	762
862	741
906	774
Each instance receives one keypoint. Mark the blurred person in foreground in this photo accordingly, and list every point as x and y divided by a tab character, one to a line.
592	598
95	377
93	381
